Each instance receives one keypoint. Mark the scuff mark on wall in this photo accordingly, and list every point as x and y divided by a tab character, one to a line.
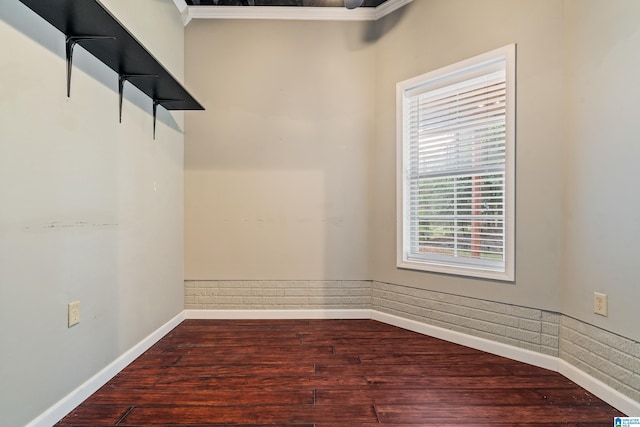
75	224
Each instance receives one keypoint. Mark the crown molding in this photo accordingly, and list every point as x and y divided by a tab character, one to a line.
181	5
282	13
183	8
288	13
390	6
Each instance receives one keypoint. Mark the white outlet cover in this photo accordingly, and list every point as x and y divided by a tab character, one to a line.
74	313
600	303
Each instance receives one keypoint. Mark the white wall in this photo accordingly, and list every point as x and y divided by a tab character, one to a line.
90	209
577	150
276	168
427	35
603	139
279	185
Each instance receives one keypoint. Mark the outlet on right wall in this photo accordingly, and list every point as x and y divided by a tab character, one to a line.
602	219
577	217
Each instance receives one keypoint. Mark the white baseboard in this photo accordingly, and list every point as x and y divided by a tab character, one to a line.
278	314
493	347
584	380
610	395
77	396
593	385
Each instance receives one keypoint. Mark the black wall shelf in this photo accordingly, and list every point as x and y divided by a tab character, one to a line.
90	24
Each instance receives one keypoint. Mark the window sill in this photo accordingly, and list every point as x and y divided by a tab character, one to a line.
502	276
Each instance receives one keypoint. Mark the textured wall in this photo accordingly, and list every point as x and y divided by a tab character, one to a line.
523	327
611	358
277	295
608	357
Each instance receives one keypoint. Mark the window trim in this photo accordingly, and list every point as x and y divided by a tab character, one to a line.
440	77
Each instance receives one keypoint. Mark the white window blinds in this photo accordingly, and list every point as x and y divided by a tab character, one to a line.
455	169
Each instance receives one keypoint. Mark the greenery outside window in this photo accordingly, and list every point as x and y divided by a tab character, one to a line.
456	180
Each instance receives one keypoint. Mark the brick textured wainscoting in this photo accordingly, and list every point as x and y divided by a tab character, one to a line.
277	295
607	357
523	327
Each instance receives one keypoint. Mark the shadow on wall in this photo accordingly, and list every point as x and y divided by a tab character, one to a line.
37	29
375	30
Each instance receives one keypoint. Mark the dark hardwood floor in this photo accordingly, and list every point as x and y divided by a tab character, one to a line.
330	373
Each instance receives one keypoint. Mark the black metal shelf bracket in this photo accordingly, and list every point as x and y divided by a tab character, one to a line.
71	42
127	77
89	22
157	102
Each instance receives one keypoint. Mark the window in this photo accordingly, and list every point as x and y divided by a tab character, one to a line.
456	155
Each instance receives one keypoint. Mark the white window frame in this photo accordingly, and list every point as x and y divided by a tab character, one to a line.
452	74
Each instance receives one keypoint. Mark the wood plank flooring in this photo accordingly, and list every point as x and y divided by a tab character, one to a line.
330	373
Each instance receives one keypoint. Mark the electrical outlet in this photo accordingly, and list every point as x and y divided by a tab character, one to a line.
74	313
600	304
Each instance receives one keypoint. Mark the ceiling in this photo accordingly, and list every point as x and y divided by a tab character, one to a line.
306	3
335	10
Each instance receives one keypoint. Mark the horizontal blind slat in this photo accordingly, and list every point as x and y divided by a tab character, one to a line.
456	159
